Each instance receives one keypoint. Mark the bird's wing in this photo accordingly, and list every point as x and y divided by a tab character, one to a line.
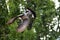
30	24
23	26
11	20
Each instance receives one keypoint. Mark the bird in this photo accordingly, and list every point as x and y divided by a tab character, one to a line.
26	18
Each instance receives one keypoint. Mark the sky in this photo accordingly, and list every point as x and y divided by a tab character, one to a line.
56	18
57	4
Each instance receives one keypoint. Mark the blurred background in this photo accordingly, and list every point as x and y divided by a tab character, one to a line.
45	27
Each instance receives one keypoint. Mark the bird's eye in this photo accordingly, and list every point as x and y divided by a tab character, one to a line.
27	11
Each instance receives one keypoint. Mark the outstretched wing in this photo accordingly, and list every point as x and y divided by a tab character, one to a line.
11	20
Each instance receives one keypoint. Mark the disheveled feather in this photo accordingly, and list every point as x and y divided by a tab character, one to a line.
23	26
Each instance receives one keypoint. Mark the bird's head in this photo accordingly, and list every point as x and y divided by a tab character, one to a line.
29	12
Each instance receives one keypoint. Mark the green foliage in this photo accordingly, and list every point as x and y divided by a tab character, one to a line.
59	0
45	11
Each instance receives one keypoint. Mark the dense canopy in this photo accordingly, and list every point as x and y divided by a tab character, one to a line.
45	27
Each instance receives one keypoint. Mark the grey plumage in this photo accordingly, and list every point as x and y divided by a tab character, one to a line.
26	20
